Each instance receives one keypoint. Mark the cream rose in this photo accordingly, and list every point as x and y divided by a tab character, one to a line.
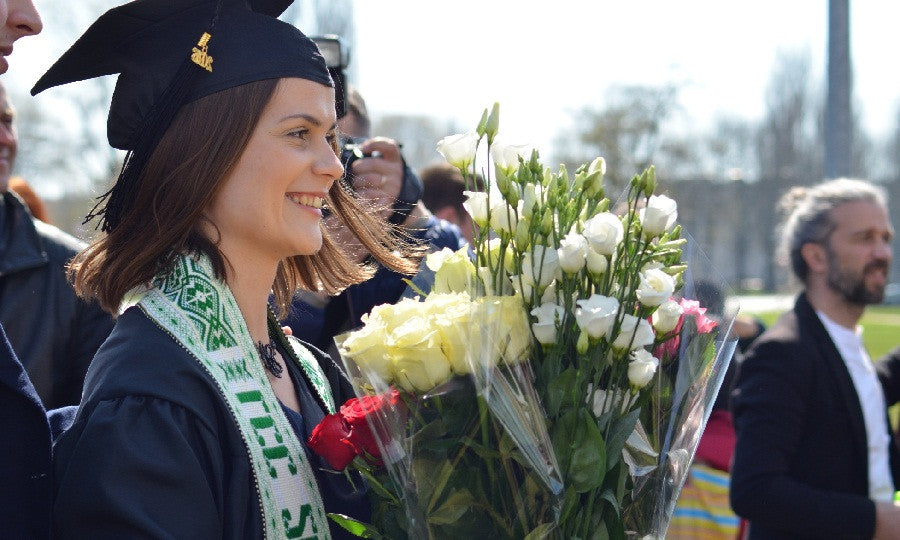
604	232
418	362
365	348
656	287
453	270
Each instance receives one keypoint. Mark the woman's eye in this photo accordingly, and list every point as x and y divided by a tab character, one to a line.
299	133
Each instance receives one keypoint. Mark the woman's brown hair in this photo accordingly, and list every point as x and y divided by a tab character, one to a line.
181	178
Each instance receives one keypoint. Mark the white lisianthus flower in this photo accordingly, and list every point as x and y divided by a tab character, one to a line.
656	287
549	295
634	333
641	368
603	401
506	156
459	150
522	287
596	315
540	265
596	264
659	216
476	204
503	217
548	315
572	253
531	197
604	232
666	316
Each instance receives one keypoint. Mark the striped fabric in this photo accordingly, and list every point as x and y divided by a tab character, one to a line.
703	511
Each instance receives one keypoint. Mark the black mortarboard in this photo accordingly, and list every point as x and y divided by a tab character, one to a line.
171	52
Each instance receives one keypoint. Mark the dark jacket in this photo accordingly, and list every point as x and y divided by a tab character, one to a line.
888	368
54	333
25	447
801	462
155	453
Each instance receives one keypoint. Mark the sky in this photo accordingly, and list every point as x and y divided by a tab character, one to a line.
544	60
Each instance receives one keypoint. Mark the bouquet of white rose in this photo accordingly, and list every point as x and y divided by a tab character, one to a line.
588	371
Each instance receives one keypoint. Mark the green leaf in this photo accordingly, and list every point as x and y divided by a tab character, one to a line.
618	435
562	435
358	528
540	532
452	509
588	466
570	503
561	392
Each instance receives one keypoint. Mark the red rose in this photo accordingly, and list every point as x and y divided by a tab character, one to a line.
329	440
705	324
355	412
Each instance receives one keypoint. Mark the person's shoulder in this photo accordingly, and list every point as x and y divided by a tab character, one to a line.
141	359
59	245
440	233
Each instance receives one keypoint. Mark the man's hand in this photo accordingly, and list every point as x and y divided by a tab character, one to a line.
378	179
887	521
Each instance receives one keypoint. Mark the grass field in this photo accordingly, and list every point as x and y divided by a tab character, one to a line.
881	328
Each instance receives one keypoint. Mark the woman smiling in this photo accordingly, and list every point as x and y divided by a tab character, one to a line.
196	410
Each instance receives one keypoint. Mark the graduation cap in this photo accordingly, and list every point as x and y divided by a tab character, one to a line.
168	53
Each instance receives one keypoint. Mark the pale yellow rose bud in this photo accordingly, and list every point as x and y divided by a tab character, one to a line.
581	346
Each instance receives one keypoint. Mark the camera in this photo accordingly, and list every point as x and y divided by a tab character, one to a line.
337	57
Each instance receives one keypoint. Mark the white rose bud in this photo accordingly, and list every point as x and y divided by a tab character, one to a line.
596	315
540	265
476	204
596	264
666	316
548	316
572	253
604	232
634	333
641	368
459	150
659	216
656	287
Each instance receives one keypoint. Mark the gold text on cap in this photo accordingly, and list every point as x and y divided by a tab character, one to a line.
199	55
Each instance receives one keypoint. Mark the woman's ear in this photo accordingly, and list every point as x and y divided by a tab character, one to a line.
816	257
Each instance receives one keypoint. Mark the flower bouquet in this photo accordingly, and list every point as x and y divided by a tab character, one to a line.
556	385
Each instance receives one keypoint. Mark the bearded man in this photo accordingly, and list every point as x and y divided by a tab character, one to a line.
814	457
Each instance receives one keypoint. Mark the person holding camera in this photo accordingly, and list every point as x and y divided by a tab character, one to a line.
377	172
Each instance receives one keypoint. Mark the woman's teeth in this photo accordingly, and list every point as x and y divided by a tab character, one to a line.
307	200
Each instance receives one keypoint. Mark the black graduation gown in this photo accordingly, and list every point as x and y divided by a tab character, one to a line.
154	451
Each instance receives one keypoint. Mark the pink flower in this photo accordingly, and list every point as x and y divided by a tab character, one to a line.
705	324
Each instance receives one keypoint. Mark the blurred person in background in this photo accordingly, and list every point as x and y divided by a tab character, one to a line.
29	196
28	430
814	457
443	196
54	333
379	175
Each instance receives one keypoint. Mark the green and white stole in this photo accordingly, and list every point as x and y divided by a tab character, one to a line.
200	312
